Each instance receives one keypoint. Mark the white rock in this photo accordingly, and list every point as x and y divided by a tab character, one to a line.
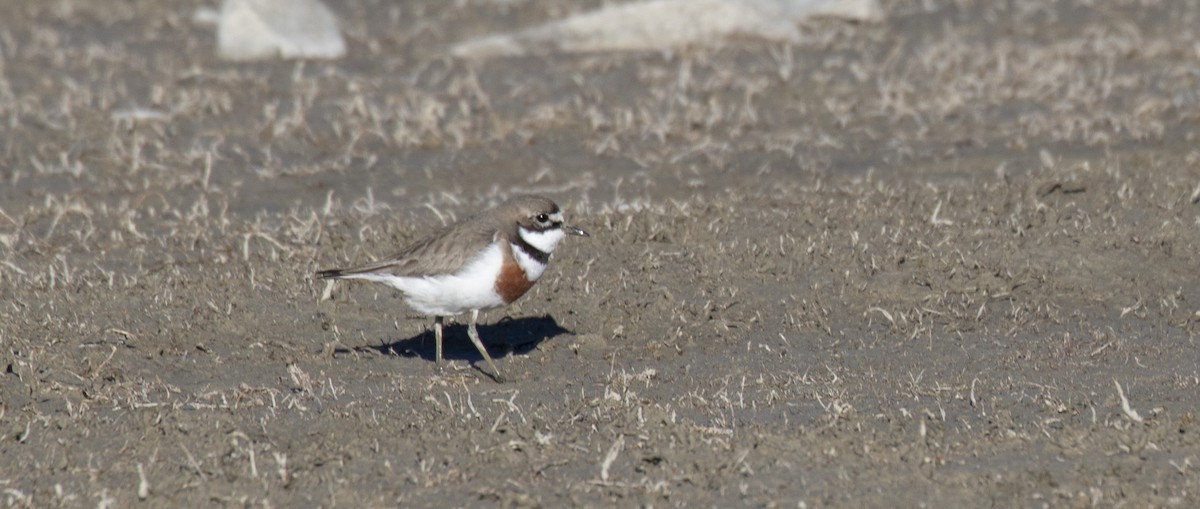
261	29
660	24
206	17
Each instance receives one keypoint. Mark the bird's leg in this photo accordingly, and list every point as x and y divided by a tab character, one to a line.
474	335
437	340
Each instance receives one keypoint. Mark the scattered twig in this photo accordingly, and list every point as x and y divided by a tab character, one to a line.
143	489
609	458
1129	411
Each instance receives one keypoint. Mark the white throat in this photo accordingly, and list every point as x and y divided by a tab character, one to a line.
544	241
533	269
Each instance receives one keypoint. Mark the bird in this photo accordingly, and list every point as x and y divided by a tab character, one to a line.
484	262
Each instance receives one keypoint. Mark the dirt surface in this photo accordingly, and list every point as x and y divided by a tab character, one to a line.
946	259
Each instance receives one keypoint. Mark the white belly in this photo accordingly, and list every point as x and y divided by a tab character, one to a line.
473	287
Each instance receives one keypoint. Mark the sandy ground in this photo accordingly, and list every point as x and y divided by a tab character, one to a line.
946	259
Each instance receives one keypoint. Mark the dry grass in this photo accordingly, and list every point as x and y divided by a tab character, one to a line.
903	263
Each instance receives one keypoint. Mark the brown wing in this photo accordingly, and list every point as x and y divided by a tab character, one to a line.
448	250
444	252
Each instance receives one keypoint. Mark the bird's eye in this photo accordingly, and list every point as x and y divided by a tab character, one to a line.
542	218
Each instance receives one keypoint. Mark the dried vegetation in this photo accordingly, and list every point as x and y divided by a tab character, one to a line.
950	258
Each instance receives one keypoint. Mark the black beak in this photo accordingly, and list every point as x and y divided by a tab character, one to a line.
575	231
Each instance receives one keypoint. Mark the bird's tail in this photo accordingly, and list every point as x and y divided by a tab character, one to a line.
331	273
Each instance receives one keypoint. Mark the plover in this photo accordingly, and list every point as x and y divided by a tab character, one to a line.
483	262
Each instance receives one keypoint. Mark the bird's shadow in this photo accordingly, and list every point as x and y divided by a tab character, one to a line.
509	335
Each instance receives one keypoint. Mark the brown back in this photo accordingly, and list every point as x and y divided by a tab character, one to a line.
449	249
